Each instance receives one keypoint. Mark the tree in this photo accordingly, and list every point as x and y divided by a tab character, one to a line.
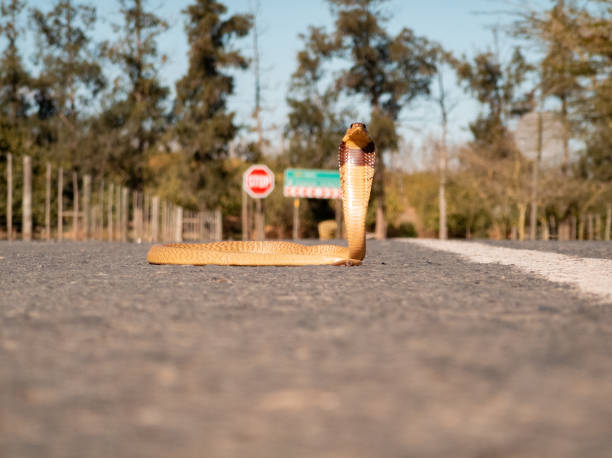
135	115
594	45
14	81
315	123
442	59
561	68
496	166
71	74
574	70
14	103
204	126
388	71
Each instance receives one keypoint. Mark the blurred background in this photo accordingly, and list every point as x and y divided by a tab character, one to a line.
122	120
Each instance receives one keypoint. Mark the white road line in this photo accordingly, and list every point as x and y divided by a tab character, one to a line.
590	275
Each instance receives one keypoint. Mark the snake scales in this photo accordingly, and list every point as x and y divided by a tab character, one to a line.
356	157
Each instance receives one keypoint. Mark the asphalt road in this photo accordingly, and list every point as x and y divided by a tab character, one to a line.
417	353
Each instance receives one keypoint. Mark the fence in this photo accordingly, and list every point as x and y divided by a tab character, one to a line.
99	210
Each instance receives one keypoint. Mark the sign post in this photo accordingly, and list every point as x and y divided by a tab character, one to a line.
258	182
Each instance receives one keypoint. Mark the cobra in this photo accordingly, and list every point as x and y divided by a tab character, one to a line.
356	158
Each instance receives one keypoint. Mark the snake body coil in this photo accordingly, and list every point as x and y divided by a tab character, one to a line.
356	158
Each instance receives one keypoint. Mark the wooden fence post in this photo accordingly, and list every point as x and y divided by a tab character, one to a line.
170	221
590	226
101	211
9	197
219	225
27	198
60	203
48	202
146	217
178	228
155	219
164	220
140	220
134	218
111	197
87	205
135	225
545	235
597	226
200	224
118	213
124	213
75	206
608	221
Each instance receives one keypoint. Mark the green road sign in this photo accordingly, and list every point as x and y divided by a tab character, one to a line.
312	183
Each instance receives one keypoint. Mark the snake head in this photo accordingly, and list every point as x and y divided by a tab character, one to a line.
357	136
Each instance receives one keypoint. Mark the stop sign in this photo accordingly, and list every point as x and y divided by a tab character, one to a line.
258	181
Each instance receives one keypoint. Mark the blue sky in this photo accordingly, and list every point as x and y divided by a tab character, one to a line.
461	26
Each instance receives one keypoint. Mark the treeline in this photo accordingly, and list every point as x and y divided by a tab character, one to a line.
100	107
497	184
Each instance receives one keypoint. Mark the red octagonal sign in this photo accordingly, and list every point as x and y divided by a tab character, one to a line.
258	181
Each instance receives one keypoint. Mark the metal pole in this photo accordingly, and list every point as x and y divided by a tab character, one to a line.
296	219
245	215
259	220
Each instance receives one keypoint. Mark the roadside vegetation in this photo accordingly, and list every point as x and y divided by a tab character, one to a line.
538	163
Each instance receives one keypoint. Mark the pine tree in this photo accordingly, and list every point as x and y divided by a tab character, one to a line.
14	81
315	122
495	86
135	117
204	127
389	71
71	77
14	104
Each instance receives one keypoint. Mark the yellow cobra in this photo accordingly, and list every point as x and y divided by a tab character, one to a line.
356	157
